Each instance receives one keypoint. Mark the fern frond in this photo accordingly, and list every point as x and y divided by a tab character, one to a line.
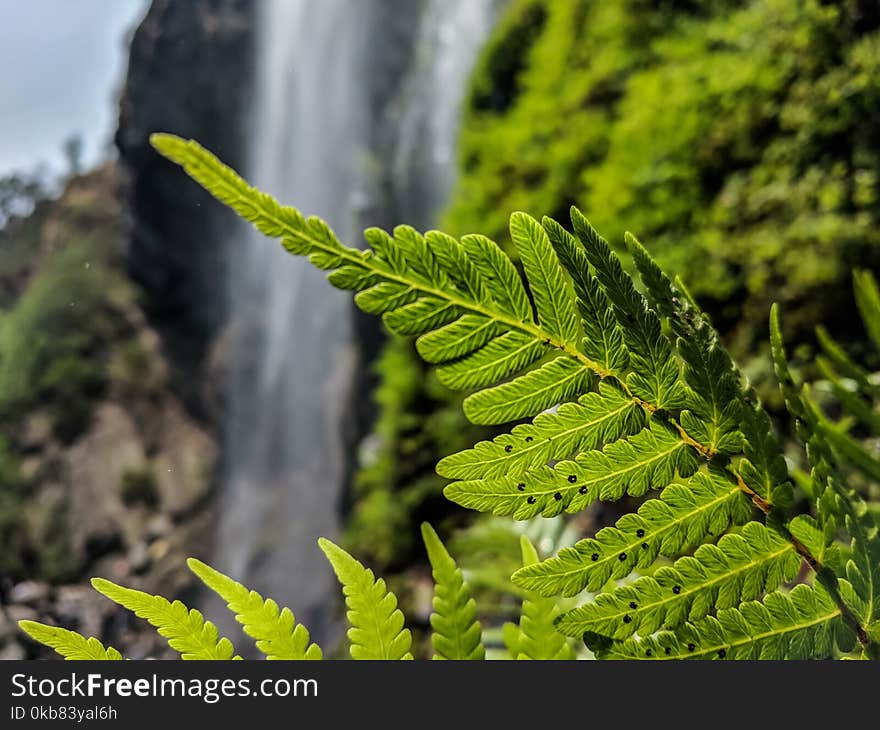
69	644
186	630
478	332
456	632
377	630
739	568
595	418
276	632
803	624
681	518
536	636
647	460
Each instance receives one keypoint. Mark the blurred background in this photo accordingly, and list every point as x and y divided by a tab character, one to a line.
172	384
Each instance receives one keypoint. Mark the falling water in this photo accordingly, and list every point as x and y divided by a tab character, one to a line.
314	138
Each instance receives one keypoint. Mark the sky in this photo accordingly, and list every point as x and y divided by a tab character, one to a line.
62	63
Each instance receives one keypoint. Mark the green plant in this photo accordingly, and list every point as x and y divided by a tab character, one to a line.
627	394
376	624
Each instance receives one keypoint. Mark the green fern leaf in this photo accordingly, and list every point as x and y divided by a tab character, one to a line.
537	637
69	644
647	460
681	518
500	275
655	375
463	298
603	416
276	632
186	630
603	340
550	291
377	630
456	632
739	568
554	382
802	624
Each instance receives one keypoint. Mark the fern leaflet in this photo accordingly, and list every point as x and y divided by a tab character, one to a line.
186	630
456	632
69	644
377	630
276	632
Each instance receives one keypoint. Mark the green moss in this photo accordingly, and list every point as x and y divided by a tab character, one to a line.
139	486
54	341
738	140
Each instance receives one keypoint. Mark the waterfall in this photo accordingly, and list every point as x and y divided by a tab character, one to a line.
317	119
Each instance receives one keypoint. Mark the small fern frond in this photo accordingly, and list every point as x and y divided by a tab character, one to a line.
536	636
276	632
803	624
739	568
186	630
456	632
69	644
678	520
377	630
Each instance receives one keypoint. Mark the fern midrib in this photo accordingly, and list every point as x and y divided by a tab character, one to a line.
695	590
742	641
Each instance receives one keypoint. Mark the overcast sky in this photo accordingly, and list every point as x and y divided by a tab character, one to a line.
61	64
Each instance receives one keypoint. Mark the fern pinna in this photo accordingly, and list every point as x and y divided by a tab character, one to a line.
376	624
617	391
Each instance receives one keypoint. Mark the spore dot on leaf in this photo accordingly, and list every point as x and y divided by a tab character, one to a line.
722	653
529	439
691	647
648	652
676	590
594	557
640	532
667	650
627	619
583	490
531	500
644	546
633	605
557	496
621	557
521	487
572	478
508	448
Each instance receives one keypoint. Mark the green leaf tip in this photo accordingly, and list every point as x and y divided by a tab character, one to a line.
275	629
377	624
186	629
456	632
69	644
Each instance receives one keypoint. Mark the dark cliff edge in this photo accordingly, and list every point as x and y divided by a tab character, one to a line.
190	73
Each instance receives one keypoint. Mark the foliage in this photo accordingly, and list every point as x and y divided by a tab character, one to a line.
376	624
737	135
583	333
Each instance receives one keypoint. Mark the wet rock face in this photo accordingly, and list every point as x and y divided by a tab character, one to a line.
190	73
